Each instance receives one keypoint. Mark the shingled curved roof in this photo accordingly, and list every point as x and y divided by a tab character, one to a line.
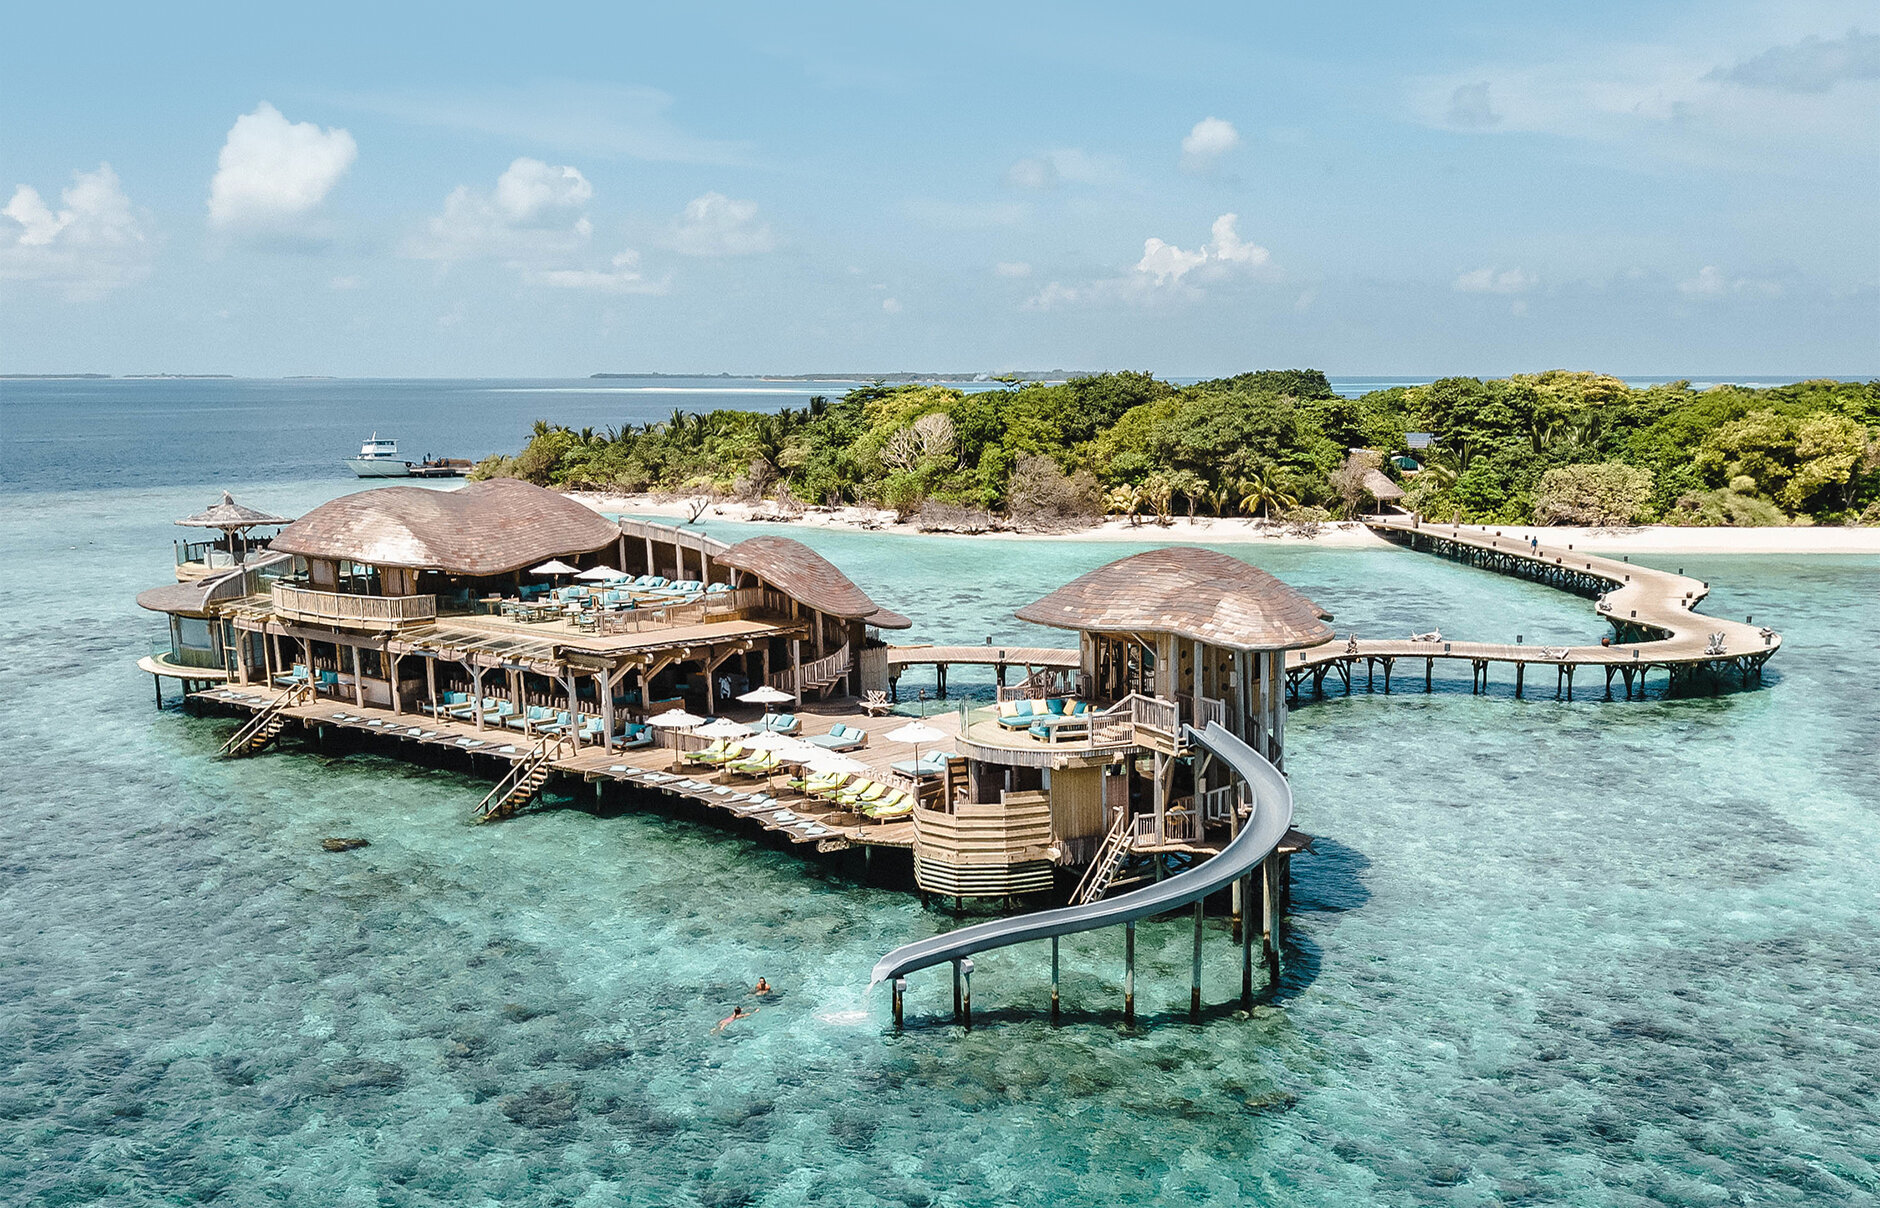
486	528
1199	594
797	570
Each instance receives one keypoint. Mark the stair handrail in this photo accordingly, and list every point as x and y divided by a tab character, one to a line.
811	674
543	751
1096	879
296	694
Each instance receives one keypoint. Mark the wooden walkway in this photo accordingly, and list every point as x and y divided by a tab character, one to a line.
1651	612
652	770
1031	658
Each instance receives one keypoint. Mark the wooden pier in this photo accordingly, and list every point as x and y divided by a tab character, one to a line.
657	770
1651	611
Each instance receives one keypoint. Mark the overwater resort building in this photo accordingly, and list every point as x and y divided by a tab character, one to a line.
563	653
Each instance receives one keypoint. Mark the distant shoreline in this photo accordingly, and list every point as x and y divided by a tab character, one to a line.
1214	530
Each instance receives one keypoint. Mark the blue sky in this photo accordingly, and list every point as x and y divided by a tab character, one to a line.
462	190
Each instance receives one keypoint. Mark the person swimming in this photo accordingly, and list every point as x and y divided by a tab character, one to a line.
737	1013
762	987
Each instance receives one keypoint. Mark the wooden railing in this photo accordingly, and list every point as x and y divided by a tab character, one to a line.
303	603
1218	805
712	606
823	670
1207	709
1178	826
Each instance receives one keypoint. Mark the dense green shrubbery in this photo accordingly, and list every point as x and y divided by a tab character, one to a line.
1531	448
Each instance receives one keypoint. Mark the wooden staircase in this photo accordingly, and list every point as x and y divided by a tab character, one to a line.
264	727
523	782
1109	863
819	676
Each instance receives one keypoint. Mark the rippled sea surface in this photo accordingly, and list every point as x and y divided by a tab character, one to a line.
1597	953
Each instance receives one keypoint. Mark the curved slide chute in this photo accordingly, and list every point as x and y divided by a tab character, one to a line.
1259	835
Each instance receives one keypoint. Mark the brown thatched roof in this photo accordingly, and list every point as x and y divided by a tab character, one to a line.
799	571
486	528
1381	487
1199	594
229	515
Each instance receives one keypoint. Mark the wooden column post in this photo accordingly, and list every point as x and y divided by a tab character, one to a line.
1246	941
430	681
389	662
359	686
900	992
1054	979
796	670
1194	981
958	994
1129	972
476	688
606	690
574	710
652	567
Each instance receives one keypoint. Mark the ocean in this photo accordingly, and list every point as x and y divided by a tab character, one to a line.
1598	953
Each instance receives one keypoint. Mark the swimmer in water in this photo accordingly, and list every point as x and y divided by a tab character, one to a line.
762	987
737	1013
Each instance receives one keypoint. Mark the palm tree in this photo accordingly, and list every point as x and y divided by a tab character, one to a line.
1125	500
1261	493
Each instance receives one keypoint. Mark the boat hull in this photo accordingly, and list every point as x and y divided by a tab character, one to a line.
378	467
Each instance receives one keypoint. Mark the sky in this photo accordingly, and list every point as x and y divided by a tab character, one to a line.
465	190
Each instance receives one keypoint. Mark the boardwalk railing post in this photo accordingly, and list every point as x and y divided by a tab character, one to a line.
1246	942
1194	980
1054	979
1129	972
900	992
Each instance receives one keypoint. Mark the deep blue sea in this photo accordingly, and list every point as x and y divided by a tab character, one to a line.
1599	953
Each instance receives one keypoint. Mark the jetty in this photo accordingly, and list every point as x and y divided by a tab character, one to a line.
1652	614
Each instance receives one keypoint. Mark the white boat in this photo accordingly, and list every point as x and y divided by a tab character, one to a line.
379	459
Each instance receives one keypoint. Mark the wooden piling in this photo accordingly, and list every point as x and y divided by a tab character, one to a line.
1194	980
1054	979
1129	972
900	993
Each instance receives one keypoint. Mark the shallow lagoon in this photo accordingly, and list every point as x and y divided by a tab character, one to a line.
1590	953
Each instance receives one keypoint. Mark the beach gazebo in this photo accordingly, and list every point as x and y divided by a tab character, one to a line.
234	520
1381	488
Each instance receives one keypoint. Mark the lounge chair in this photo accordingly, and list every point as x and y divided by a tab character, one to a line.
780	723
828	784
297	676
863	793
633	735
840	738
712	589
554	723
722	751
468	710
761	764
528	717
930	764
897	804
451	701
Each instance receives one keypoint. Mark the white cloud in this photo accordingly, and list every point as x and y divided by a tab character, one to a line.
273	172
530	190
1712	283
1470	107
891	305
1167	263
535	222
623	277
1164	269
1211	138
92	245
534	215
1811	65
715	225
1072	164
1495	281
1012	268
346	282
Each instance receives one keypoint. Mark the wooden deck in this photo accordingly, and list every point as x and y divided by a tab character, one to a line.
1651	611
650	770
999	658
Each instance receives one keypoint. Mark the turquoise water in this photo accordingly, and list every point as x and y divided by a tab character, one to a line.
1544	953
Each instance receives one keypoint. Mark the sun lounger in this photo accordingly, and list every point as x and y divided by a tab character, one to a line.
780	723
762	764
931	764
839	738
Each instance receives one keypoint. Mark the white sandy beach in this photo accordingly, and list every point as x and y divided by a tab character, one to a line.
1641	539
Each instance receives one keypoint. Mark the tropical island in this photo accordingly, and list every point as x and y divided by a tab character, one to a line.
1548	448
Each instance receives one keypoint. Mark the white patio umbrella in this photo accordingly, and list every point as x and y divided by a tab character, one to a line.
598	574
724	727
675	720
917	732
553	566
765	696
828	763
783	744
